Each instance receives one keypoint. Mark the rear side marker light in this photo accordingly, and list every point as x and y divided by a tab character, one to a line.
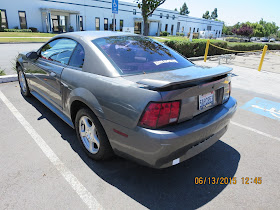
120	133
160	114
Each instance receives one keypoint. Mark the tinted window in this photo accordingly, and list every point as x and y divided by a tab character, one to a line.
58	50
135	54
77	58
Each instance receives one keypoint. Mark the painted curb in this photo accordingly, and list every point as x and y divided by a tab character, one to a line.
8	78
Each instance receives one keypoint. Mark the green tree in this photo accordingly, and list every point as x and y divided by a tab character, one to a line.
278	34
184	10
206	15
176	10
214	14
148	7
227	30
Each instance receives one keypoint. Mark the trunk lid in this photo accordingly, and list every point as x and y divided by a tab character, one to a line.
189	85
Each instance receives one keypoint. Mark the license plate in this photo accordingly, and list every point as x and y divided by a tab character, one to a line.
206	100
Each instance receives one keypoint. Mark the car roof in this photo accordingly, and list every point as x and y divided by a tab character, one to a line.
91	35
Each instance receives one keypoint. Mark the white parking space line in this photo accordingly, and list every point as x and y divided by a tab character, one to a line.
256	131
84	194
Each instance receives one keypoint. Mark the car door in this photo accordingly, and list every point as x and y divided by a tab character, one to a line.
47	69
71	74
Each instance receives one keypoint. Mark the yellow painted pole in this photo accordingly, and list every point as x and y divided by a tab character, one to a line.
206	50
263	54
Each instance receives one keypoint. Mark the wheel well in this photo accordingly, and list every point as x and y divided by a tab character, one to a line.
75	107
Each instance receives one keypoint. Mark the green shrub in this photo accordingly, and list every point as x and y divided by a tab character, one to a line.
2	73
245	47
33	29
17	30
197	47
180	34
164	33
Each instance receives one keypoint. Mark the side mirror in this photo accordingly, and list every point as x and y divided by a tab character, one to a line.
32	55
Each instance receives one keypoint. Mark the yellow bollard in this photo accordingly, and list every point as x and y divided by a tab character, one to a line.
206	50
263	54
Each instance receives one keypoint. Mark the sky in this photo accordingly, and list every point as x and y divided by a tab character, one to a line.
232	11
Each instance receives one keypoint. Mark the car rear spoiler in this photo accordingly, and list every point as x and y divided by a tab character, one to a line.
162	85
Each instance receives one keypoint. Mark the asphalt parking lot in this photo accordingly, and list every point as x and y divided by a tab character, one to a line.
9	52
43	167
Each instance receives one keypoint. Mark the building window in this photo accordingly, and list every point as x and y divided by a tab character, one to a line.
167	16
137	27
22	19
197	30
173	17
166	27
160	15
111	26
105	24
81	23
4	22
193	30
209	28
183	29
121	25
178	27
97	24
172	28
134	11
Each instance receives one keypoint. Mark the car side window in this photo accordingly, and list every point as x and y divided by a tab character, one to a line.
78	56
59	50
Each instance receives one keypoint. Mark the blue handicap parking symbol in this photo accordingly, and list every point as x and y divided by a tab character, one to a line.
263	107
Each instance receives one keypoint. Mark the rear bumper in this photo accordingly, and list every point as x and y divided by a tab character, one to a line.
174	144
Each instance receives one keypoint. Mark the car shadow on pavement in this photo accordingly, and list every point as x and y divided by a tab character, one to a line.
170	188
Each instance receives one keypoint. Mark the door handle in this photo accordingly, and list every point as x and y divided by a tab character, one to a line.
52	74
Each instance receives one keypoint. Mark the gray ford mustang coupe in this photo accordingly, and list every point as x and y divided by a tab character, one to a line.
129	95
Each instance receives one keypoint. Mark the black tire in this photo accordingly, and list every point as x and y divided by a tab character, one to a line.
25	92
105	150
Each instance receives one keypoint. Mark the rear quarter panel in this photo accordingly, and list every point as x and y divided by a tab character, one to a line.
111	98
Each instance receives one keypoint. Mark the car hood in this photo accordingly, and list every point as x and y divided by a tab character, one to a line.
173	77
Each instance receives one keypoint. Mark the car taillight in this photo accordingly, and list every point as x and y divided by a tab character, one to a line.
160	114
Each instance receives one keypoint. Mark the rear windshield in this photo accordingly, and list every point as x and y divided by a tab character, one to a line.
138	55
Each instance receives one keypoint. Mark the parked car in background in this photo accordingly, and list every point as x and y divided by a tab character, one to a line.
264	39
253	39
129	95
272	40
245	39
